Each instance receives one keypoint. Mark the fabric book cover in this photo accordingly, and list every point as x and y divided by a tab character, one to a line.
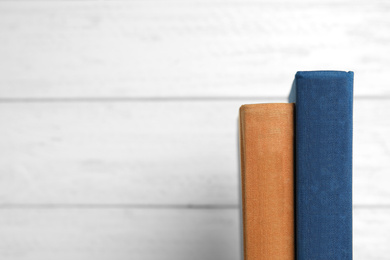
267	165
323	103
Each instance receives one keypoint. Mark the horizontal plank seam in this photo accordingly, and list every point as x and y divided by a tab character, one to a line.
247	2
147	206
135	206
161	99
132	99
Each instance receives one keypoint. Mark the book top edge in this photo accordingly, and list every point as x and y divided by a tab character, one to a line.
323	73
266	105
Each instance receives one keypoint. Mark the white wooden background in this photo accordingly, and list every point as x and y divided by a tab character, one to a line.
118	135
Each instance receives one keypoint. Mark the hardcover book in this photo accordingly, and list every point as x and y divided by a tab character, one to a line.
323	103
267	164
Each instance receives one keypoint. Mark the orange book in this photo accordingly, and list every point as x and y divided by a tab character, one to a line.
267	168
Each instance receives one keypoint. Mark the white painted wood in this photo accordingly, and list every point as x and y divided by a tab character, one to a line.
153	152
151	234
120	234
190	48
371	152
371	234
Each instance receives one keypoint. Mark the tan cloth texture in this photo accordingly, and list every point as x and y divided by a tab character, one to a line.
267	178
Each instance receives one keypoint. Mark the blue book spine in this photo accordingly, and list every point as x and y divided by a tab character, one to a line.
323	178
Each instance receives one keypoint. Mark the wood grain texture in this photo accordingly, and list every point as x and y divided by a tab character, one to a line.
371	229
198	48
120	234
105	234
153	153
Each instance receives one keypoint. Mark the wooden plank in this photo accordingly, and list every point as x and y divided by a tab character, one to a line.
141	153
371	236
197	48
120	234
371	152
153	152
150	234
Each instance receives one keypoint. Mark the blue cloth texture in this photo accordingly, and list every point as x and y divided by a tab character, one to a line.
323	164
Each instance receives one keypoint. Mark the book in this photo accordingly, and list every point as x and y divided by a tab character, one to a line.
323	132
267	164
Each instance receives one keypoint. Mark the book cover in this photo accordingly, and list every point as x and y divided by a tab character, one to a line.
323	103
267	164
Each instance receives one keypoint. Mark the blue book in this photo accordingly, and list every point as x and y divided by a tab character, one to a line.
323	170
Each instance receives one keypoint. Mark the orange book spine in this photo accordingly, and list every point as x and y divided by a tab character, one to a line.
267	179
